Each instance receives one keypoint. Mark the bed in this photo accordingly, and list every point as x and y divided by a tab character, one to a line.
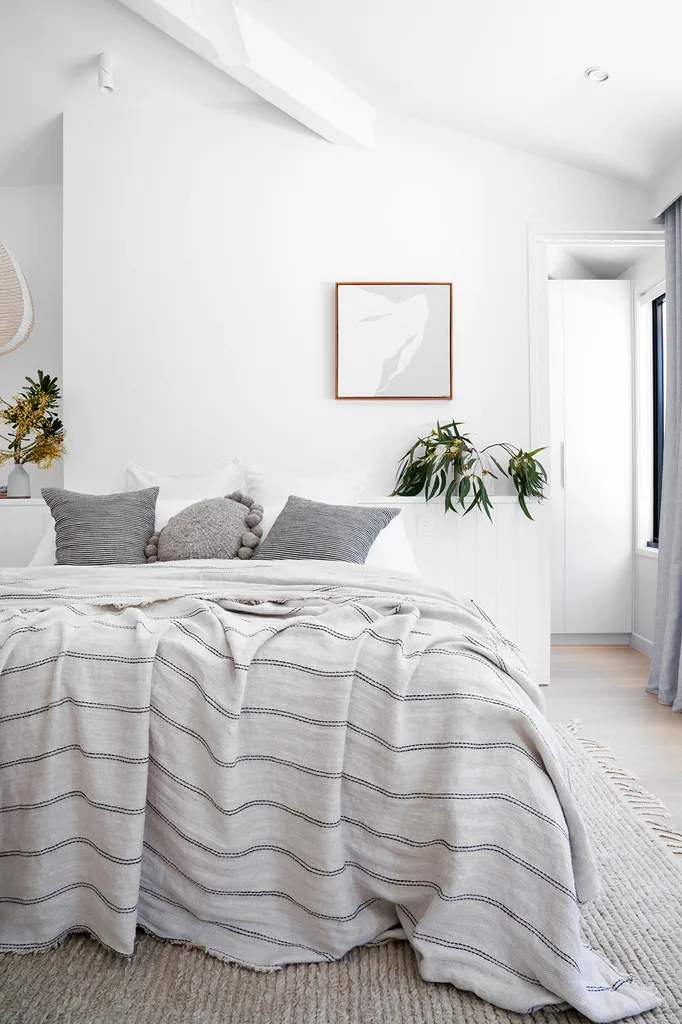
280	761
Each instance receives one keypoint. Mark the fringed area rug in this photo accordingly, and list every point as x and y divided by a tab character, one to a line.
636	923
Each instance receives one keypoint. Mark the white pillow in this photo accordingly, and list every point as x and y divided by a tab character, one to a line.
271	489
391	550
214	482
166	508
46	552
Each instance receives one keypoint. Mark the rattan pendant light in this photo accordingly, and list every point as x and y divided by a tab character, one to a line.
16	304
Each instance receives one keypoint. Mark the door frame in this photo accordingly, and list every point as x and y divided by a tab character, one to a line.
538	325
538	238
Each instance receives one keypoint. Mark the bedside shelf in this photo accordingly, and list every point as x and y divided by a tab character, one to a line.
22	524
18	502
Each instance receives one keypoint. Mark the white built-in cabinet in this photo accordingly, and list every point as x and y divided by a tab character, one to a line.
23	521
591	456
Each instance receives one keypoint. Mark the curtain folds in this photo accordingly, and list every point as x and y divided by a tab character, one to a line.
666	663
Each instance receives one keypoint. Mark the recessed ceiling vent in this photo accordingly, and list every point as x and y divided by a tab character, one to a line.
596	74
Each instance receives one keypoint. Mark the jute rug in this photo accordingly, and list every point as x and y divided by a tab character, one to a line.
636	923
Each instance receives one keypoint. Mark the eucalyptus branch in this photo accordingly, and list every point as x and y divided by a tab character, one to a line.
446	461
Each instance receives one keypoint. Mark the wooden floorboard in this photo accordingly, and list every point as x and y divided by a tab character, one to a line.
604	688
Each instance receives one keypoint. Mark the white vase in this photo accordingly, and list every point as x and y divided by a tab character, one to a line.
18	483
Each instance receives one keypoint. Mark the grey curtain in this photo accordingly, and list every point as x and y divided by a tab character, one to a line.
666	663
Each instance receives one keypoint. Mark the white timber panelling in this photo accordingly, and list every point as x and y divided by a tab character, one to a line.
502	565
22	523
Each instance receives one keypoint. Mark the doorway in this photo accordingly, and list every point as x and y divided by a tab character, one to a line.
586	370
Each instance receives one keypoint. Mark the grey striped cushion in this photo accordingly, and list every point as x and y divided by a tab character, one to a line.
102	529
310	529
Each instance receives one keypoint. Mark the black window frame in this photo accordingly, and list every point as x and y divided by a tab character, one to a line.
658	365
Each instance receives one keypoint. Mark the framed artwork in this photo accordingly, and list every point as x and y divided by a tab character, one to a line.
393	340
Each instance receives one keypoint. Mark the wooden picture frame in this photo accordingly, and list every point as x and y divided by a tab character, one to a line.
412	342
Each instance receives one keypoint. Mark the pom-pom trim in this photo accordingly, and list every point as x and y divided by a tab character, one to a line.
250	539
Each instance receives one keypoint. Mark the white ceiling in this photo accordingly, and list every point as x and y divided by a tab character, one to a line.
511	70
507	70
606	262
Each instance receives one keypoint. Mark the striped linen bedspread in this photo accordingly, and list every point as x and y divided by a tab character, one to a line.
280	761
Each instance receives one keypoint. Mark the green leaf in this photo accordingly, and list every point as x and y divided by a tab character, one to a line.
501	468
522	503
448	495
429	467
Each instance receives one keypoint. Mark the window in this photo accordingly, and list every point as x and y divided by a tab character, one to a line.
658	366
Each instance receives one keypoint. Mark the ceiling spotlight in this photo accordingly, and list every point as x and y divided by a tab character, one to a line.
105	72
596	74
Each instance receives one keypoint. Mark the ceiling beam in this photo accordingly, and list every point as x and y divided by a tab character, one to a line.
295	84
225	35
181	20
219	21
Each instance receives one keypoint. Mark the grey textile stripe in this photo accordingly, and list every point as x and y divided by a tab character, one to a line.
102	529
484	848
256	743
378	982
311	529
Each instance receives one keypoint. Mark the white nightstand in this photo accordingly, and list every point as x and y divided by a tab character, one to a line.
22	524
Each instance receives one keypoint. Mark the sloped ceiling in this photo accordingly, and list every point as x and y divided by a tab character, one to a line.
512	70
508	71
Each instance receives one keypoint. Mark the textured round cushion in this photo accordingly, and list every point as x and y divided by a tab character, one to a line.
214	528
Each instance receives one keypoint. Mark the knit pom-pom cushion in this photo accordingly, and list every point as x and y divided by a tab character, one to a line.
214	528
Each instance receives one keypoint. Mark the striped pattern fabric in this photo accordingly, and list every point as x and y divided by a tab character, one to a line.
314	530
279	761
102	529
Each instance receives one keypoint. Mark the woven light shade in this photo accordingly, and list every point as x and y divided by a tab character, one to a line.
16	305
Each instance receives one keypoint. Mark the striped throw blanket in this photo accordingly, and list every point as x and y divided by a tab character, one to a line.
279	761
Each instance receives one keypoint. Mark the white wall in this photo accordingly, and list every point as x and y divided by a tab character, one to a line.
31	227
644	605
666	190
201	248
648	272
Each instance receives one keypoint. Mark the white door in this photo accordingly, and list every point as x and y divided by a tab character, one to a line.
591	456
556	455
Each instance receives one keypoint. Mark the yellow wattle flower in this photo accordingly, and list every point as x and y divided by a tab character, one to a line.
29	415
